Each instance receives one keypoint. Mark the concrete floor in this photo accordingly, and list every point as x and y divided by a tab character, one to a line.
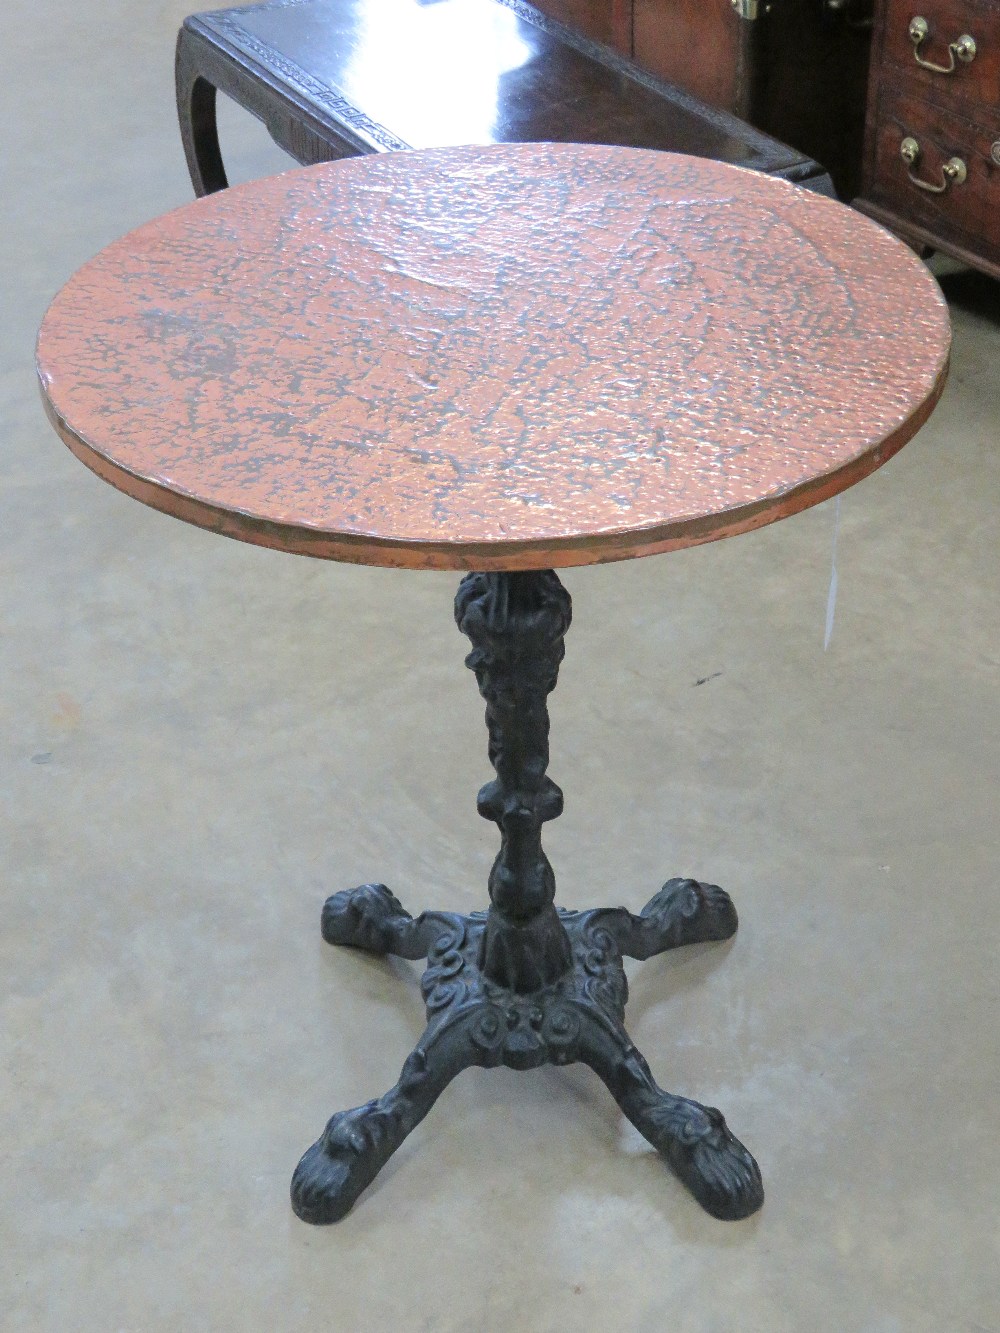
201	739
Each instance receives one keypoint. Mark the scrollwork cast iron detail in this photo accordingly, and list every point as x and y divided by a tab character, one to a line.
473	1020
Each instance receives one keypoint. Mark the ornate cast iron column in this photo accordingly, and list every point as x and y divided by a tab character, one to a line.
517	623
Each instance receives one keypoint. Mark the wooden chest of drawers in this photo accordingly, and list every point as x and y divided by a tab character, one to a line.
931	169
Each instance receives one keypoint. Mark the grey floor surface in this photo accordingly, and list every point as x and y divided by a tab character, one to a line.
201	739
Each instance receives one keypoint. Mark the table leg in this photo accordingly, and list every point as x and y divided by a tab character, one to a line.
356	1144
694	1139
525	983
196	98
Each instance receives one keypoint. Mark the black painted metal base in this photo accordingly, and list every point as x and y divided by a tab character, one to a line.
524	984
578	1017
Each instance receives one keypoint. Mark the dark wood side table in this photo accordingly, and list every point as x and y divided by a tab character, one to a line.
331	78
503	361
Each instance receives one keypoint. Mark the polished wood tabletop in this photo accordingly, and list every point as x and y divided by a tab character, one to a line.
507	357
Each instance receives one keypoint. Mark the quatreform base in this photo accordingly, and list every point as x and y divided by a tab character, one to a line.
524	983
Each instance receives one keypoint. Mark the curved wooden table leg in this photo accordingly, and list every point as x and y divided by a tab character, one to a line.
199	131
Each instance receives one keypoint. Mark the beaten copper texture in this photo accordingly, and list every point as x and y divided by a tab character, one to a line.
509	357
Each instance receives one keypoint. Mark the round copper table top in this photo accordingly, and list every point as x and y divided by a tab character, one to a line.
507	357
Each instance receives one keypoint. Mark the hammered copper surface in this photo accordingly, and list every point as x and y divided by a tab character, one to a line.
515	356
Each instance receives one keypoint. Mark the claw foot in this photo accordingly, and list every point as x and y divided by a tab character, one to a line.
368	917
334	1171
688	912
711	1162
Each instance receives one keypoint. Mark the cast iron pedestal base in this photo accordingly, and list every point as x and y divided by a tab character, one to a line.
525	983
474	1021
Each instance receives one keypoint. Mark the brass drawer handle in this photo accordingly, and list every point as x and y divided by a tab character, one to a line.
964	48
953	171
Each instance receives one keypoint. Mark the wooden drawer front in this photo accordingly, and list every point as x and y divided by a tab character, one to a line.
967	213
974	83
